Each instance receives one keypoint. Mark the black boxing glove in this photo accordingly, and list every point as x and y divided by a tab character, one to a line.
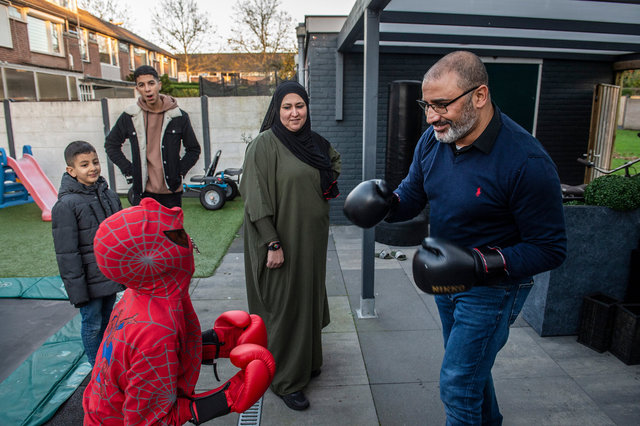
443	267
369	203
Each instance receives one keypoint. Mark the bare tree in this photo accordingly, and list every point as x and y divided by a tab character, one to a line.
108	10
180	25
262	28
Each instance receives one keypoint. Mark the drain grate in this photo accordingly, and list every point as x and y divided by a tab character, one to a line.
252	416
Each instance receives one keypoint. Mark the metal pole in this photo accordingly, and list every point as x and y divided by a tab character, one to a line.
7	121
104	102
206	138
369	135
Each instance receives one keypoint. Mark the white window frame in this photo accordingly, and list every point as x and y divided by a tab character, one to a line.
17	13
6	40
66	4
112	45
49	21
83	44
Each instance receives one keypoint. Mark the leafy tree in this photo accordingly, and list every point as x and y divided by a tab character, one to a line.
180	25
630	82
631	78
108	10
262	28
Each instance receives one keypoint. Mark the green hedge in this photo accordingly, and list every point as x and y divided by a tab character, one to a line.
616	192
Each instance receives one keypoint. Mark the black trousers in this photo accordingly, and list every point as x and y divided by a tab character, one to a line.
167	200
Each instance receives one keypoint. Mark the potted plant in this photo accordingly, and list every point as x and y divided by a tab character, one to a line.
600	236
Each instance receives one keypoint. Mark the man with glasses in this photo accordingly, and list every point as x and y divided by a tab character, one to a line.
496	220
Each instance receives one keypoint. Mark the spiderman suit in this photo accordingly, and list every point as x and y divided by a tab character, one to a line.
149	360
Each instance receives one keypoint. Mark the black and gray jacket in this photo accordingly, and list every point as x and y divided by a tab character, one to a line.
74	221
176	131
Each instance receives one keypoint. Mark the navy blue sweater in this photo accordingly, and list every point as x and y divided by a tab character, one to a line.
501	191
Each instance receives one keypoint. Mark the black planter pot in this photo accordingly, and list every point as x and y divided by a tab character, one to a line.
599	242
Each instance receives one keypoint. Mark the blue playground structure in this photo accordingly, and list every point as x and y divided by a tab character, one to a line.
12	192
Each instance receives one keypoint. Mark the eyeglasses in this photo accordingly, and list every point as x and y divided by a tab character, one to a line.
442	108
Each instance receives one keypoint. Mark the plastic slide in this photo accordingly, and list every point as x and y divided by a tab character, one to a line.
37	183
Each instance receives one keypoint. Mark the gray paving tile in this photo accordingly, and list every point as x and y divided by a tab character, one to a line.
617	395
553	401
409	404
402	356
342	361
523	357
397	304
330	405
334	280
578	360
209	310
341	316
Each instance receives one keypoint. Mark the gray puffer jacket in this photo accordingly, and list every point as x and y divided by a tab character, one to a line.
75	219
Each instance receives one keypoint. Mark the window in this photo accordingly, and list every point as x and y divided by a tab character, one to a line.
44	36
83	41
15	13
52	87
5	30
67	4
139	57
108	48
174	69
20	84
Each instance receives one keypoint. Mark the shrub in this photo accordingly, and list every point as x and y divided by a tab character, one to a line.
614	191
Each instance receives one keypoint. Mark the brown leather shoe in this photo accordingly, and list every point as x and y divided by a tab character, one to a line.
296	401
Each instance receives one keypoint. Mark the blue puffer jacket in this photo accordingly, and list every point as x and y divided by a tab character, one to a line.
75	219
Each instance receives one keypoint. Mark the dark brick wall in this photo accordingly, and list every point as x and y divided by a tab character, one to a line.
346	135
563	117
564	114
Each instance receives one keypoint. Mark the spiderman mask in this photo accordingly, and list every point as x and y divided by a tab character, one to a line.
146	248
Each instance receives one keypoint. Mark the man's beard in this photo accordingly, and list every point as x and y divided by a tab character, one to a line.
460	128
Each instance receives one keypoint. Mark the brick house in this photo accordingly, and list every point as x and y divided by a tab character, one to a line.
217	67
52	50
543	65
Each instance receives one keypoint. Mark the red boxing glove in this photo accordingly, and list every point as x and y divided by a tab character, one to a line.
231	329
257	368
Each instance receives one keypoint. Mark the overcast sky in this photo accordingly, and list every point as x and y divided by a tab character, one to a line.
221	16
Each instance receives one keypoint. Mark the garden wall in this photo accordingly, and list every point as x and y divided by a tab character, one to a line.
49	126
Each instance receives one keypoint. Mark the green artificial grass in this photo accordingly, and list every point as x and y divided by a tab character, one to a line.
27	245
626	148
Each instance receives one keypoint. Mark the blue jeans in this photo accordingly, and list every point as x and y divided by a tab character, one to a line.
475	326
95	317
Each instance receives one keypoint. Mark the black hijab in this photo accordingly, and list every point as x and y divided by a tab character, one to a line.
308	146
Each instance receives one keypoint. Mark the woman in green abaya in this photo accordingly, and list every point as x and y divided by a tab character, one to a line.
289	174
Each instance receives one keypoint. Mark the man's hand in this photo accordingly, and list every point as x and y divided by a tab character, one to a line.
443	267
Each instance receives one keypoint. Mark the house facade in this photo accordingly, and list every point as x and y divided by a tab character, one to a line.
50	50
230	67
543	65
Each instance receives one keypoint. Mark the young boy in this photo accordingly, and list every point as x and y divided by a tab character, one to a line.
84	201
149	361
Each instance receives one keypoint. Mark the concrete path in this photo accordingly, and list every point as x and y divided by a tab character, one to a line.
385	370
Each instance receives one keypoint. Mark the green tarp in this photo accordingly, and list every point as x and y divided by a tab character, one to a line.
36	389
33	288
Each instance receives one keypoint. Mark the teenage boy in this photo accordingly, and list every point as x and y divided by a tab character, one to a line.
157	129
84	201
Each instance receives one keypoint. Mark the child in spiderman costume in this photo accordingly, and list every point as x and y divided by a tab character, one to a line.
149	360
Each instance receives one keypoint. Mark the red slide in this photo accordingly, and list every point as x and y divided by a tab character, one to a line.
36	182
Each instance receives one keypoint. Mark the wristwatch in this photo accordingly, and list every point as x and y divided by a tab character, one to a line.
274	246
